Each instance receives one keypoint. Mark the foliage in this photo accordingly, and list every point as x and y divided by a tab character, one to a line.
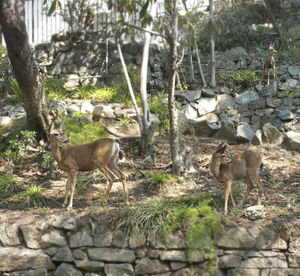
20	142
79	132
156	179
159	107
290	53
238	80
48	162
7	185
295	93
5	70
33	196
15	88
54	89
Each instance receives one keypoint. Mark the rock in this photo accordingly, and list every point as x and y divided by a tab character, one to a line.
14	259
294	71
89	266
173	255
111	255
137	240
59	106
63	255
67	270
296	4
80	239
120	239
244	133
9	234
180	95
285	115
293	140
255	212
79	254
225	102
246	97
53	238
269	90
237	237
103	237
31	236
104	111
35	272
206	105
290	84
193	96
190	112
72	108
119	269
229	261
87	107
263	263
5	120
236	53
227	130
272	135
206	92
62	222
243	272
150	266
225	90
204	128
257	138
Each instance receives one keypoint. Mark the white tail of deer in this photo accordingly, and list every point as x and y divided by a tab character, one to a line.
102	154
269	62
243	166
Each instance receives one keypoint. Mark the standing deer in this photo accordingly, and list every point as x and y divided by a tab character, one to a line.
269	62
243	166
102	154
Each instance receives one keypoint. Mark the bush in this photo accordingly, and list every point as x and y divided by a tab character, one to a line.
5	71
158	107
238	80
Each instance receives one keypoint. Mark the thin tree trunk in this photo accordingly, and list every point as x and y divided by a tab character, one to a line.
130	88
174	137
212	45
147	135
24	68
199	64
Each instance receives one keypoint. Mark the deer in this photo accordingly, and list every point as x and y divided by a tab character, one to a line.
102	154
269	62
243	166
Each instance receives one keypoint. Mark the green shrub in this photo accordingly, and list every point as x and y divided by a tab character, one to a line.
238	80
54	89
17	92
158	107
7	185
81	133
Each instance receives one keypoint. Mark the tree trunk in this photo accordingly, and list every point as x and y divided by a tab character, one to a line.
147	135
174	138
24	68
212	45
199	63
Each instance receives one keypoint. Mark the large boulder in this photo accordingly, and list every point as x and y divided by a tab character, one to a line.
227	130
292	139
271	135
244	133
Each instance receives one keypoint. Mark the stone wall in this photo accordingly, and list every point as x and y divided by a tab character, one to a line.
92	245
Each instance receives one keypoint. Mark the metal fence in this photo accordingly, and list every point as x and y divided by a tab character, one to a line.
41	27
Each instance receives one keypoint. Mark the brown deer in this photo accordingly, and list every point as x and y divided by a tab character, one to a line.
269	62
102	154
243	166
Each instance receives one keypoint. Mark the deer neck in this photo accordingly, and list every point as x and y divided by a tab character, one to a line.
215	166
56	151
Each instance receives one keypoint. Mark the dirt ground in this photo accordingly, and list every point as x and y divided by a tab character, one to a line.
280	177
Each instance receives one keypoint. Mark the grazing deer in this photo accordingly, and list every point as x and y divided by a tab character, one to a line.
243	166
102	154
269	62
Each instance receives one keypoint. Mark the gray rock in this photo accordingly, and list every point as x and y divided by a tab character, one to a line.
103	237
296	4
246	97
273	102
63	254
89	266
180	95
229	261
243	272
173	255
53	238
269	90
62	222
59	106
294	260
227	130
236	237
224	102
105	111
294	246
206	105
79	254
31	236
67	270
87	107
294	71
293	140
206	92
5	120
72	108
35	272
136	240
272	135
257	138
14	259
285	115
244	133
263	263
150	266
225	90
193	96
80	239
236	53
9	234
255	212
289	84
119	269
111	255
204	128
120	239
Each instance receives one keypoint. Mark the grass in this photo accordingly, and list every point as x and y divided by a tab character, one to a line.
157	179
7	186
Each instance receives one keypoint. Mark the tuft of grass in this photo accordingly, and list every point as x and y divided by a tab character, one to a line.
33	196
156	179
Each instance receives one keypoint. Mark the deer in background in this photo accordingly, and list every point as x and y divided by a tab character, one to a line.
243	166
269	62
102	154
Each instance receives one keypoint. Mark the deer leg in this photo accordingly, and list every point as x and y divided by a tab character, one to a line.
227	192
249	189
255	179
67	191
268	77
274	73
232	200
121	176
110	177
72	174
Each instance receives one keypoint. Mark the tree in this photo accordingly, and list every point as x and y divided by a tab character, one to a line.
172	37
212	44
24	68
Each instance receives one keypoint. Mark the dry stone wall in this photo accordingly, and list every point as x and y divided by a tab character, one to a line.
90	245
